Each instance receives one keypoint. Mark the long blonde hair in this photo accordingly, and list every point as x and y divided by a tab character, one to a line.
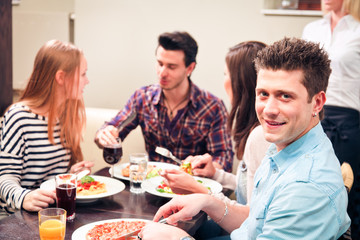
351	7
42	89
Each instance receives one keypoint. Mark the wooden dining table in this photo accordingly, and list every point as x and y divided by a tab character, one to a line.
24	225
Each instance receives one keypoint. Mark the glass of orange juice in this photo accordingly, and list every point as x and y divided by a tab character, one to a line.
52	224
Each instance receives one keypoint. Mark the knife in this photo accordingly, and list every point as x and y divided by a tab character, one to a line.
127	121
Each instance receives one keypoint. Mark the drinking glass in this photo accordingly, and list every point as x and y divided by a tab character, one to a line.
112	154
52	224
138	170
66	193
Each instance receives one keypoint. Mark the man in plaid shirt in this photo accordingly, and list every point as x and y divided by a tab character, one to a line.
175	113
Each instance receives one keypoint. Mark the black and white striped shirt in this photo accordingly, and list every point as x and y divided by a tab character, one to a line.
27	157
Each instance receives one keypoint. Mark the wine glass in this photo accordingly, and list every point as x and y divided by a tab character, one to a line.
112	154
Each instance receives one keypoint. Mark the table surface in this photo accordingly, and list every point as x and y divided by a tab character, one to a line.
24	225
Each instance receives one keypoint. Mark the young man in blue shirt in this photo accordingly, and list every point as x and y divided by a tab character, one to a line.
298	189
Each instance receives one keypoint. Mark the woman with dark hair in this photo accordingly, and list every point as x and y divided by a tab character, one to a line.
40	135
239	83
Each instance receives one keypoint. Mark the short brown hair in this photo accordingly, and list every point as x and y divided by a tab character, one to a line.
296	54
180	41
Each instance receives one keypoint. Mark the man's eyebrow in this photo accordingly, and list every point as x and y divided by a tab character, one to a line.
260	89
279	91
286	91
169	64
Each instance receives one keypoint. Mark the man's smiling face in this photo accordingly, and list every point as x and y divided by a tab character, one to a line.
282	106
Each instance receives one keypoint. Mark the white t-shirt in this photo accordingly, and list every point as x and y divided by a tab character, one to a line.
255	150
343	47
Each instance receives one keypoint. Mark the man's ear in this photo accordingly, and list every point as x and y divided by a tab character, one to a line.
60	77
319	101
190	68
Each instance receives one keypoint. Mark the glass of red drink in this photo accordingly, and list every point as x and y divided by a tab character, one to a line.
112	154
66	193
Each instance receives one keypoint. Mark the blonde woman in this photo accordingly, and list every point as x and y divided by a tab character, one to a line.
40	135
339	32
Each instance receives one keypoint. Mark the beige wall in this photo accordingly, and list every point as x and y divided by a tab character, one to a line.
35	22
119	38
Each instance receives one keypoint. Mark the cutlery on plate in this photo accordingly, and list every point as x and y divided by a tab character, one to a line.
166	153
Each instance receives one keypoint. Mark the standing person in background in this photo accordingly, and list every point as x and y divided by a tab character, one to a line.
339	33
239	83
40	135
175	113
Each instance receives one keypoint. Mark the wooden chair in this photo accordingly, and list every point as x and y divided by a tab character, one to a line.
348	177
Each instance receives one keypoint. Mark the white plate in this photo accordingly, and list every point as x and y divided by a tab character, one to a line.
80	233
118	168
113	186
150	185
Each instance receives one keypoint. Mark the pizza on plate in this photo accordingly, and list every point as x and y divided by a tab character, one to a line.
88	186
114	230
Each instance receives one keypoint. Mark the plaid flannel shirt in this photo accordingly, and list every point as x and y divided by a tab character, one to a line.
201	129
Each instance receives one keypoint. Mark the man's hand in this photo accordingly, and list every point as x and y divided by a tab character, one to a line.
106	136
202	165
182	207
181	182
38	199
160	231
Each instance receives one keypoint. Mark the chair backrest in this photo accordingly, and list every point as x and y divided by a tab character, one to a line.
95	118
348	175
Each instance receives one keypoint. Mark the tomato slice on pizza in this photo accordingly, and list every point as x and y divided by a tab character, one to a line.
88	186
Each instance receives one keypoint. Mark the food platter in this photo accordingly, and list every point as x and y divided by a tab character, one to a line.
113	186
80	233
118	168
150	185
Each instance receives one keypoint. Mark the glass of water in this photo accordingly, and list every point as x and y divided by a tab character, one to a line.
138	170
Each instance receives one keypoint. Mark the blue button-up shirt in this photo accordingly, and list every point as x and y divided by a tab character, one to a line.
298	193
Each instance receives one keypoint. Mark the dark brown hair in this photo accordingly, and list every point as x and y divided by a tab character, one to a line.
180	41
242	118
296	54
